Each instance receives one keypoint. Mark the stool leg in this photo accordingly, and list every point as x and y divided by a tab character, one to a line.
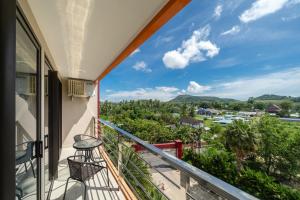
25	166
84	197
32	168
66	188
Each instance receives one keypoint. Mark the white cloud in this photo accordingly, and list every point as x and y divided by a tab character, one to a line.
218	11
161	93
285	82
195	88
167	89
182	92
135	51
196	49
234	30
175	60
261	8
141	66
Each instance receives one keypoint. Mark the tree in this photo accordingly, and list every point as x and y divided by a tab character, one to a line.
286	107
297	108
259	106
133	167
204	105
279	147
183	110
184	134
192	111
219	163
251	100
216	129
217	105
196	135
268	129
236	106
240	138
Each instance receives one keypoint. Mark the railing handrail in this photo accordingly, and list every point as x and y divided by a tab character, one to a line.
211	182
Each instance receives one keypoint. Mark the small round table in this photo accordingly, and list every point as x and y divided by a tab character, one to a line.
87	145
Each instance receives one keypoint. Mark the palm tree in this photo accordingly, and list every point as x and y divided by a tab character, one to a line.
134	169
240	137
137	173
196	137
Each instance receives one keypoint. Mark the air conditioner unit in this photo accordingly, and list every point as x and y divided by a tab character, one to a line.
26	84
80	88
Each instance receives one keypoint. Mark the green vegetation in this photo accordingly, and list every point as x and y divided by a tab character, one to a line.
240	138
134	170
261	156
152	121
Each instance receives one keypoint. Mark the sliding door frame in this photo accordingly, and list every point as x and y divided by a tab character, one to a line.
55	122
7	100
20	17
47	66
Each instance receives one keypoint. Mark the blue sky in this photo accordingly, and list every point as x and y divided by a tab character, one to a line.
236	49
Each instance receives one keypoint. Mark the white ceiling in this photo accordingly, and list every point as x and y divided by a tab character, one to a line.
85	36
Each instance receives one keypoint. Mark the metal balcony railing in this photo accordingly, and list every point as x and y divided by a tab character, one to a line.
156	174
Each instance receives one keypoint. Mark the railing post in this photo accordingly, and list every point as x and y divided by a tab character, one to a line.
179	150
185	183
119	155
187	188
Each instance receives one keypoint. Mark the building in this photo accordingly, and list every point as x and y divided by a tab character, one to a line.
273	108
223	121
247	114
54	55
190	121
208	112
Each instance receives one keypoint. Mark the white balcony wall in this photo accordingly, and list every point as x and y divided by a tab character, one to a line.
78	115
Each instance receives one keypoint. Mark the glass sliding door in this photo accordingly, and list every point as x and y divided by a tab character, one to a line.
27	112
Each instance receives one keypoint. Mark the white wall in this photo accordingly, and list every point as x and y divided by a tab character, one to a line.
78	115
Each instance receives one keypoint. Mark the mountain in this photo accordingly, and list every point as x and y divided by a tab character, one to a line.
197	99
274	97
263	98
271	97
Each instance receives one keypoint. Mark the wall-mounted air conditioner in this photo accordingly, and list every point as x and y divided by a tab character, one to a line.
26	84
80	88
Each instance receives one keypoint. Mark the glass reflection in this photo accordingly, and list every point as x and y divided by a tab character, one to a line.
26	112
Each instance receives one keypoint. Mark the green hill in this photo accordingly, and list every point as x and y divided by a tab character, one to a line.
197	99
266	98
273	97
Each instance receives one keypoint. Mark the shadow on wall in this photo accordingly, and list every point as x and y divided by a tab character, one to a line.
78	115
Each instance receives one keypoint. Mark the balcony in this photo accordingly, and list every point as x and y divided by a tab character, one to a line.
57	46
149	174
96	187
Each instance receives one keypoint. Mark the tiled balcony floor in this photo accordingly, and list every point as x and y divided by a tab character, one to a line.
96	188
